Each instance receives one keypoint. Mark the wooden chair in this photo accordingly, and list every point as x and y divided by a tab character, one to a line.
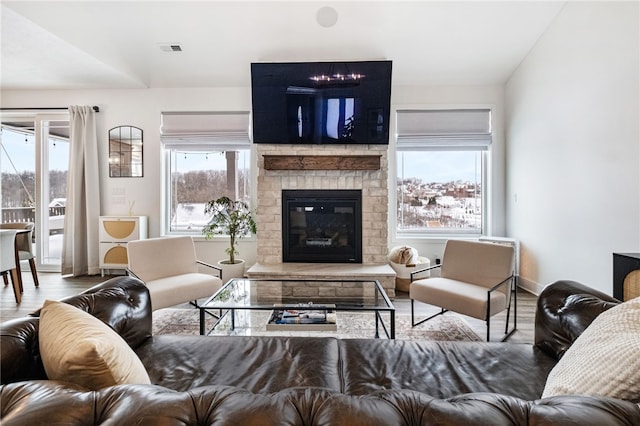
476	279
169	268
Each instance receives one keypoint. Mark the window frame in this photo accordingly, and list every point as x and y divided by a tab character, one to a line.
200	132
167	196
486	182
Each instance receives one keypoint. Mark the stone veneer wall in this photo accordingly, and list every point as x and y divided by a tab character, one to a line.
373	183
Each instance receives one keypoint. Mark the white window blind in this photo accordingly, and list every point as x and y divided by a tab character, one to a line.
201	131
446	129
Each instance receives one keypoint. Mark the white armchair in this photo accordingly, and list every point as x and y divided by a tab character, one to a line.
476	279
169	268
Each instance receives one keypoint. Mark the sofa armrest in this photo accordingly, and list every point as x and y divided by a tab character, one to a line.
123	303
565	309
19	353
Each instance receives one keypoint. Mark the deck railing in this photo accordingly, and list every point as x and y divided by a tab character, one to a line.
27	214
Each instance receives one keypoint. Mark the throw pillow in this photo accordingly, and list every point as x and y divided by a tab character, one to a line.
79	348
403	255
604	360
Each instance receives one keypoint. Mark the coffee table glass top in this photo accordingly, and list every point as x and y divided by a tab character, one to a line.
352	295
235	301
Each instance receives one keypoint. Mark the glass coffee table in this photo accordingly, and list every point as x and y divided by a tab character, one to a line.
289	295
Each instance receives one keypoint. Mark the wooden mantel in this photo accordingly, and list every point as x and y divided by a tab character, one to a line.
322	162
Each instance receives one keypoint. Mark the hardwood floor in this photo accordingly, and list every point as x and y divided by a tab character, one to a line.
53	286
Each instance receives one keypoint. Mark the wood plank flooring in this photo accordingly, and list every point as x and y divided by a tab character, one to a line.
53	286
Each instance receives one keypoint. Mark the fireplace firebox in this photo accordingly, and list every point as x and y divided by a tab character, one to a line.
322	226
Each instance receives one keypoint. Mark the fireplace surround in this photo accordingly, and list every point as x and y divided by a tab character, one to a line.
322	226
321	171
371	182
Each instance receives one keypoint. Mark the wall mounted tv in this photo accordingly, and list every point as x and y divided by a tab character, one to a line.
321	102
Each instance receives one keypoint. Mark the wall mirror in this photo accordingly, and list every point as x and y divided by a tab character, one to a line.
125	152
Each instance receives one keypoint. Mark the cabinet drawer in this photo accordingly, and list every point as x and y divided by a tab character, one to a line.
113	255
120	229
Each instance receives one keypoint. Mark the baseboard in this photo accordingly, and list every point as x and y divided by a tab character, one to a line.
530	286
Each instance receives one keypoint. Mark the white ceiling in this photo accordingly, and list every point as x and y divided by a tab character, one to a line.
107	44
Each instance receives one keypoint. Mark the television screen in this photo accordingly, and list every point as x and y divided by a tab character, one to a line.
321	102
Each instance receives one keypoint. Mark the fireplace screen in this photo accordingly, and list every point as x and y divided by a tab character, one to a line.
322	226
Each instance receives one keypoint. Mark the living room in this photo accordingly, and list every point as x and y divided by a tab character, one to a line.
561	83
555	153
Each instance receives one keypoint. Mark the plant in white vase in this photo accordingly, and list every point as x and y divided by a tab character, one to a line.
232	218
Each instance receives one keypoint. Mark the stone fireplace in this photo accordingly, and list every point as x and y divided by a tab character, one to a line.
372	182
362	168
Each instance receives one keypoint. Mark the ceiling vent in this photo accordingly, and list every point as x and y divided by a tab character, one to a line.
170	47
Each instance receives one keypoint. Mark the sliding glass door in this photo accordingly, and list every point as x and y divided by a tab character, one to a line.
34	162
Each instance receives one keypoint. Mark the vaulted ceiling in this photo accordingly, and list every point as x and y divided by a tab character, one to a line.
122	44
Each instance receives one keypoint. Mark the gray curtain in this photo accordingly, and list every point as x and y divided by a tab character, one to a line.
80	245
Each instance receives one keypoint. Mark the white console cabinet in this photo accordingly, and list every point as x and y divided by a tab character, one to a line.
114	233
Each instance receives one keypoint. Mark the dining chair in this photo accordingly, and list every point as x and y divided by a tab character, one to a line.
8	261
24	246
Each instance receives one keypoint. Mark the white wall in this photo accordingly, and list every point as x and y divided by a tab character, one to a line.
570	114
142	108
573	157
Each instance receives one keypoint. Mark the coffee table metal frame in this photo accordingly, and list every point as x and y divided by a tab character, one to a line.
226	301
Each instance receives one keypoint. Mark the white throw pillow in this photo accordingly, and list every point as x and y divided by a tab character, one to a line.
604	360
79	348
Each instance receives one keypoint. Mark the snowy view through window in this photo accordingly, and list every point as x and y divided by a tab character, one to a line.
439	192
198	177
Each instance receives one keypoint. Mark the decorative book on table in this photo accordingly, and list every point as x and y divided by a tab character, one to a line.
304	317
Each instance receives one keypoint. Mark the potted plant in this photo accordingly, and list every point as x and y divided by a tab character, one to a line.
232	218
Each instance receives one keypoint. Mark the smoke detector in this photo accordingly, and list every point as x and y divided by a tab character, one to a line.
327	16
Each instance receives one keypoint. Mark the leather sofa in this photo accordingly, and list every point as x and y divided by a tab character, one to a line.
309	380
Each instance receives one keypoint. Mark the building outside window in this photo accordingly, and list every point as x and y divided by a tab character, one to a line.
441	172
207	156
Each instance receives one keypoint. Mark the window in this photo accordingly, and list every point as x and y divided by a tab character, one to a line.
34	161
207	156
441	172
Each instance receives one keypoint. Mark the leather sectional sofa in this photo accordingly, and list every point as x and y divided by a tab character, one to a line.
309	381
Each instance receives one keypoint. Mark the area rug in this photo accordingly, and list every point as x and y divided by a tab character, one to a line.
350	325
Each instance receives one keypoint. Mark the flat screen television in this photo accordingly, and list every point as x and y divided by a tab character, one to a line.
321	102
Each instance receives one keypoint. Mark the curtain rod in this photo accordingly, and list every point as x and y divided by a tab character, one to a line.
95	108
